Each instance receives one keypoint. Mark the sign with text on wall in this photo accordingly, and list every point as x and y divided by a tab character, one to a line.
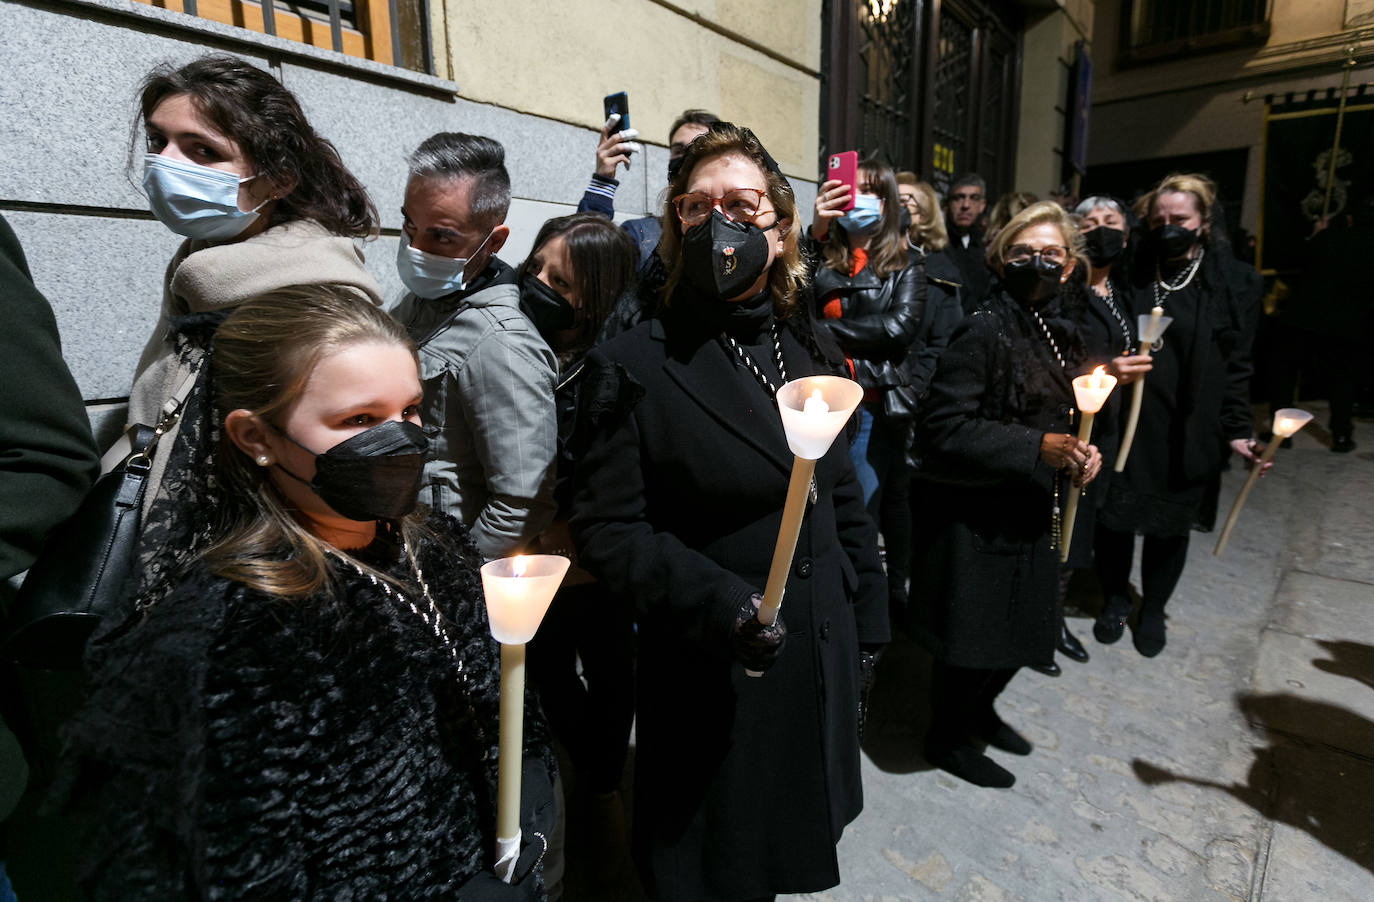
942	167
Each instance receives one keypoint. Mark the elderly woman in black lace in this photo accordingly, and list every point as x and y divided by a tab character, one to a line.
308	711
996	462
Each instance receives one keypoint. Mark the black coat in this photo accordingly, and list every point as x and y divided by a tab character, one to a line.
880	319
973	267
943	313
49	456
239	745
984	586
742	785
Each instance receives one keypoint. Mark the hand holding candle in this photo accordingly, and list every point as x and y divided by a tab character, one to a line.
814	409
1286	422
518	591
1151	328
1090	392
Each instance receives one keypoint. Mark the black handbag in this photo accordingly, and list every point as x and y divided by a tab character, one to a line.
80	575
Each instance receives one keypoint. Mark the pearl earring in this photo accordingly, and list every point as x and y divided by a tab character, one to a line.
263	460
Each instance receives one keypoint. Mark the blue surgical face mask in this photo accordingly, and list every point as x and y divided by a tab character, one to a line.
431	276
864	217
196	201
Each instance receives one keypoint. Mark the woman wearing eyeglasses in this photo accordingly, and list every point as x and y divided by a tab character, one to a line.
742	784
996	462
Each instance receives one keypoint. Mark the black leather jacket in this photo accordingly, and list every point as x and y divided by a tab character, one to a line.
880	319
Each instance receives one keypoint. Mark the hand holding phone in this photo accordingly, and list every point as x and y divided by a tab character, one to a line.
844	168
836	194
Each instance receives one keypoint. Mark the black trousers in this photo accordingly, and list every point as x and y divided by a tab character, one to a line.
1161	564
592	720
961	703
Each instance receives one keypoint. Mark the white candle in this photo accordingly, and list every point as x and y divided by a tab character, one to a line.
518	591
1151	330
813	409
1091	393
1286	422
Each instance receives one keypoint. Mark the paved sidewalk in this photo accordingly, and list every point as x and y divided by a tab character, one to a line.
1238	765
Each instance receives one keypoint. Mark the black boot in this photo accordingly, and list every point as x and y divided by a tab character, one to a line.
997	733
1149	632
1111	623
1069	645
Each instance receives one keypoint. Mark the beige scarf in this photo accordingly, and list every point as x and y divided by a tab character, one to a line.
203	278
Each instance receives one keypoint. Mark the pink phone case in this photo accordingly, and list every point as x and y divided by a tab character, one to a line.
845	168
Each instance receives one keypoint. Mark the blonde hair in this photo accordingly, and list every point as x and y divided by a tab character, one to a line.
1007	206
1203	190
929	233
787	276
1046	211
262	357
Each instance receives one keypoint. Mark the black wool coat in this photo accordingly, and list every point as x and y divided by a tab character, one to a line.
985	581
742	785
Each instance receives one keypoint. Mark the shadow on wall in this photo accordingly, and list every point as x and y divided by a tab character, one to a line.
1318	770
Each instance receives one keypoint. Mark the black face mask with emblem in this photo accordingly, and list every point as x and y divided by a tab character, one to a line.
722	259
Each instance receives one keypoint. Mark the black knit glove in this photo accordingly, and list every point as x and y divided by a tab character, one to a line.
487	887
756	646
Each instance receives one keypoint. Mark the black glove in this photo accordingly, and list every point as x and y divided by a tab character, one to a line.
756	646
538	807
487	887
538	811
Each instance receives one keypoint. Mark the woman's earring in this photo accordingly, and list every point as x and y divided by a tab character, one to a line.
264	460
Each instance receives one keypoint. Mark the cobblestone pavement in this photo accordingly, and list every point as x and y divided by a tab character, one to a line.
1237	765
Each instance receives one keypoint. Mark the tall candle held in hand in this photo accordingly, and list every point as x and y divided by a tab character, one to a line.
1091	393
1286	422
813	409
518	591
1151	328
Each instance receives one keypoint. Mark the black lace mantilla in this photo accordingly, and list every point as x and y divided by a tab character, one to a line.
247	747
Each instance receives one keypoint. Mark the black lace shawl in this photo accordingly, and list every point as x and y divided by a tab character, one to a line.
241	746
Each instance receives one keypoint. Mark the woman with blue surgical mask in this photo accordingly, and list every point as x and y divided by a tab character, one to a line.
261	202
870	293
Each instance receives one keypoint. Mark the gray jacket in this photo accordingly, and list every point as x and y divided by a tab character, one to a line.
489	388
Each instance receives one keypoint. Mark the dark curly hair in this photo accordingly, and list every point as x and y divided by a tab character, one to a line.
266	121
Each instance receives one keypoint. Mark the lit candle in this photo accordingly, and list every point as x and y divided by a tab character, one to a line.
1091	393
1286	422
518	591
813	409
1151	328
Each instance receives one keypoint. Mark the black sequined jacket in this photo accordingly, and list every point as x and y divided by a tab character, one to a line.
236	745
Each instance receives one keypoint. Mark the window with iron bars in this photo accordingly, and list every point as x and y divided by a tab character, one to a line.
1160	29
395	32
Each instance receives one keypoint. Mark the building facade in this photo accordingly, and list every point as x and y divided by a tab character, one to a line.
936	85
1191	86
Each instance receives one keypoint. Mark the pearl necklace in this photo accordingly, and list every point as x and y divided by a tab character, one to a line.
1109	299
1162	288
1045	330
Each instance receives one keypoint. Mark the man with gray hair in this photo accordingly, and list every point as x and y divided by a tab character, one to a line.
968	198
488	376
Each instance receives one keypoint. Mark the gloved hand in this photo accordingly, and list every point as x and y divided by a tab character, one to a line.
756	646
487	887
538	811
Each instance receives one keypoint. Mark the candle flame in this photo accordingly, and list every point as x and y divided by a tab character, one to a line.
1098	380
815	403
517	566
